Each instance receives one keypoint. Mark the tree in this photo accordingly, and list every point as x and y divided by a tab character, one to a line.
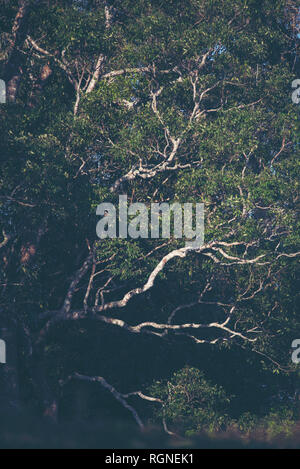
192	402
166	102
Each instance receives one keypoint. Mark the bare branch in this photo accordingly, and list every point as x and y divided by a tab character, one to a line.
65	67
5	240
117	395
76	279
95	78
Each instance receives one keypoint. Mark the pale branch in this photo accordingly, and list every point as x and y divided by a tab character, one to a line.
242	106
166	428
124	71
121	397
98	67
108	12
78	92
101	291
146	327
6	238
19	202
143	328
97	73
138	171
238	259
283	146
176	327
149	173
203	341
133	70
64	313
65	67
143	396
294	254
182	252
196	303
75	281
278	365
117	395
95	78
88	290
154	250
250	297
196	113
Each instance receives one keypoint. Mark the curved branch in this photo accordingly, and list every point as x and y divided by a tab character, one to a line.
117	395
5	240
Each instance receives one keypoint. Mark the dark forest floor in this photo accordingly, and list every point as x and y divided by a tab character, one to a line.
18	432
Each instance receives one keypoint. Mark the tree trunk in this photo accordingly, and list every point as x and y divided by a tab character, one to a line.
12	68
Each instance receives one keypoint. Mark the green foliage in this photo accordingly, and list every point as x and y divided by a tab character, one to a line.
62	149
191	403
278	422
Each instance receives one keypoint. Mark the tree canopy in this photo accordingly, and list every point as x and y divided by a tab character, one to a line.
164	101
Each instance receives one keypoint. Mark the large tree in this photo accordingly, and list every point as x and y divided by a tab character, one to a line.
165	101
